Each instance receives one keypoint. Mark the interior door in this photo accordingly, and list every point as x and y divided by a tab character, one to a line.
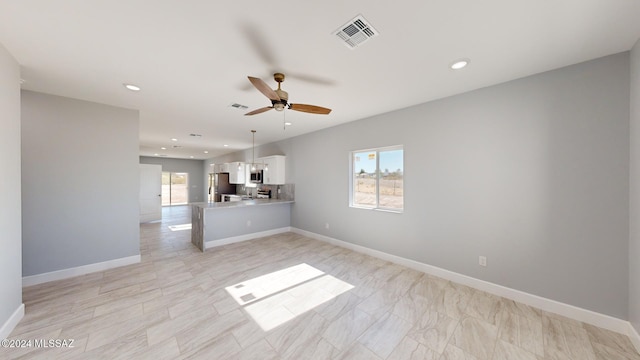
150	192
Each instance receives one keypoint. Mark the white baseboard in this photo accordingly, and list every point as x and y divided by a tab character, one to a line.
12	322
77	271
634	337
570	311
235	239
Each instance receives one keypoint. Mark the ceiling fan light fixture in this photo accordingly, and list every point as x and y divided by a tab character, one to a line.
254	166
278	106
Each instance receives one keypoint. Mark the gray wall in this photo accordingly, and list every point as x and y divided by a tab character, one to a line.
634	216
80	183
10	226
532	173
193	167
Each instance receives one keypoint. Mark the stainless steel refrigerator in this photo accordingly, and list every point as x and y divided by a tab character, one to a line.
219	184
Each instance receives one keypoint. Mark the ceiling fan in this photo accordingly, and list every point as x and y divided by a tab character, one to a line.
279	98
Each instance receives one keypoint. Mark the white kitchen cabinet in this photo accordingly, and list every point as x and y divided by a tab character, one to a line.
237	173
274	173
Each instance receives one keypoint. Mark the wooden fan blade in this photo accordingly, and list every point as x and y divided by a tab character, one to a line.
258	111
310	109
264	88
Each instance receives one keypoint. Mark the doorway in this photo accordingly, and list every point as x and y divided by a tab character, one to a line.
175	188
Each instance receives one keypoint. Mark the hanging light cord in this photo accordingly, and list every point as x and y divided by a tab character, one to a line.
253	150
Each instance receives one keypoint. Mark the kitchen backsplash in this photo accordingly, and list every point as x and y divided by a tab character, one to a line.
287	191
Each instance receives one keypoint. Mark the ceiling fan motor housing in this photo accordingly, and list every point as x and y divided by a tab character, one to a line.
284	97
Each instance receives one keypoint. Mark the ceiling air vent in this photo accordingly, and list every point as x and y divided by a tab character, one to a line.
239	106
356	32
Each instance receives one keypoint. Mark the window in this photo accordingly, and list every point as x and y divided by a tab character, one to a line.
377	178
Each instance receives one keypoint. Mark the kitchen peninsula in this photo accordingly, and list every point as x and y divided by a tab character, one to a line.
220	223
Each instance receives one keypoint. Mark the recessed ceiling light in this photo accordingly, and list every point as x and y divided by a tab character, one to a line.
191	156
225	145
174	139
163	148
132	87
156	154
206	152
459	64
287	123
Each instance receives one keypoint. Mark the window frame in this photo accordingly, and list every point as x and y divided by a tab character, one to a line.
378	177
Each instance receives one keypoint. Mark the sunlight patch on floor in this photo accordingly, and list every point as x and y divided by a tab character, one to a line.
280	296
180	227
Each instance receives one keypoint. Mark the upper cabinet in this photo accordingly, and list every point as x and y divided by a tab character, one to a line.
274	171
239	172
236	172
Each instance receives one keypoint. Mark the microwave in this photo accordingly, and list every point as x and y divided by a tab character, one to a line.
256	177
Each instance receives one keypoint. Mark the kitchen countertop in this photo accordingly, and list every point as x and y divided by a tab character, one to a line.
243	203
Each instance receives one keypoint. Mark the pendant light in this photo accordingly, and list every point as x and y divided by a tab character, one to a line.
254	166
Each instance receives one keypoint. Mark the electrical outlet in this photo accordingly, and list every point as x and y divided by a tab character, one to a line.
248	223
326	225
482	260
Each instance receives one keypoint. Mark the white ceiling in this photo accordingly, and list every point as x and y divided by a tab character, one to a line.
192	57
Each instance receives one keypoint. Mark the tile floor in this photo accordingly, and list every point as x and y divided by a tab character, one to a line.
288	297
